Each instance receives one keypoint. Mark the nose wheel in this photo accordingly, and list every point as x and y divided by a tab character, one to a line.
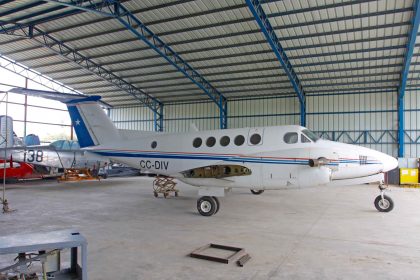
257	192
383	203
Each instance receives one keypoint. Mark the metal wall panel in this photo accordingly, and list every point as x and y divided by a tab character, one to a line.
412	121
263	112
366	119
135	118
183	117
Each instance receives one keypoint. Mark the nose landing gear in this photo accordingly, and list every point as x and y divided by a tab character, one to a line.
257	192
383	203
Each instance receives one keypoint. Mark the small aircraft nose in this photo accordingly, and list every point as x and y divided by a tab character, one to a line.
388	161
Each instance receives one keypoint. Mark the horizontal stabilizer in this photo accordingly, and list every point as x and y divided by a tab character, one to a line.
62	97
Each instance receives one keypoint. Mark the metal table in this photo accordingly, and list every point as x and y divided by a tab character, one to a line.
33	242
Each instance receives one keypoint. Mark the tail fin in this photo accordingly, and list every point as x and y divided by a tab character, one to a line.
93	127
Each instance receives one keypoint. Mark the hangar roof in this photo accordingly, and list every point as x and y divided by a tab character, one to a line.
333	45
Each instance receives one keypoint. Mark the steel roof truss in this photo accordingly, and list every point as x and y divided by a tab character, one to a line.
143	33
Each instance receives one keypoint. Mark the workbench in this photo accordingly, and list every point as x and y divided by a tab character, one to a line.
47	241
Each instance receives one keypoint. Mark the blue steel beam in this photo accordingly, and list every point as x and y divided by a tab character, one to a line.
265	25
158	116
115	9
404	74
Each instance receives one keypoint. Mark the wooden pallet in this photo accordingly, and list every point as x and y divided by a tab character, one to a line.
77	174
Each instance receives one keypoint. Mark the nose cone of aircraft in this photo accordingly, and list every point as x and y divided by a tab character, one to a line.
388	162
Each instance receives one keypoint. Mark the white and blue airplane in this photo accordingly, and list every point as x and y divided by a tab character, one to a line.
262	158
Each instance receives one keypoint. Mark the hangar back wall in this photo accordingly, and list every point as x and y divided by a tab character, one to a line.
365	118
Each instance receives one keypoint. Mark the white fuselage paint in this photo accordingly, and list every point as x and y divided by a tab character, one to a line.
274	163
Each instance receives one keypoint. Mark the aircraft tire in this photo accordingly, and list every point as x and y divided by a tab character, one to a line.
217	204
206	206
257	192
384	206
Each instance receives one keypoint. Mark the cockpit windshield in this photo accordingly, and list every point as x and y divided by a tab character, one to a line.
311	135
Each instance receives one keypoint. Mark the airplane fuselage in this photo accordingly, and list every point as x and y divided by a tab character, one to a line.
275	162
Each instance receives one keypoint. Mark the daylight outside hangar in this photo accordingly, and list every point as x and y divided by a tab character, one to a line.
347	70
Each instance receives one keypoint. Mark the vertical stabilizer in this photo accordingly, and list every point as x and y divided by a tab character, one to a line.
93	127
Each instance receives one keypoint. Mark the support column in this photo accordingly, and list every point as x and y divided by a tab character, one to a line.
411	44
25	113
223	113
158	116
401	148
302	113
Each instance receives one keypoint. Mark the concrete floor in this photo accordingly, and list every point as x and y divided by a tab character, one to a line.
325	233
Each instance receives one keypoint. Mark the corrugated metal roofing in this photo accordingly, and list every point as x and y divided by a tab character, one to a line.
333	46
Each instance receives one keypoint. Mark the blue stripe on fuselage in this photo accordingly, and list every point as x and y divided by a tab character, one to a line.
216	158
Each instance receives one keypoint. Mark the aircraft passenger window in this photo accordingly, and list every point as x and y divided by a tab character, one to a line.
224	141
291	137
211	141
255	139
303	139
239	140
154	145
197	142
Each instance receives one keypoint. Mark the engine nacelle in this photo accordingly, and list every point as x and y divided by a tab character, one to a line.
318	162
312	177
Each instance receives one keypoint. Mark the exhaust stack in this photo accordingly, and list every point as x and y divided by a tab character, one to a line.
318	162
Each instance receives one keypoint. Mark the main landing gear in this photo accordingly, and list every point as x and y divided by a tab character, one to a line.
208	205
383	203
